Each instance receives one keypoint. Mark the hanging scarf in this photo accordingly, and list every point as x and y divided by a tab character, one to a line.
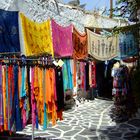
37	36
4	87
74	75
79	45
45	118
70	76
127	45
1	102
93	74
16	114
102	47
9	34
67	75
62	40
10	96
33	97
23	82
50	95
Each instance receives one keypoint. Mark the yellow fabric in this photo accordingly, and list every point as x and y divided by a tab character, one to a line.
37	37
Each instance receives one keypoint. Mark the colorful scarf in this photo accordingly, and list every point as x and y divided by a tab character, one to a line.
1	102
37	36
127	45
9	33
62	40
67	75
79	45
102	47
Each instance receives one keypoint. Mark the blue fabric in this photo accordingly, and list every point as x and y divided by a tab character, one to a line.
23	83
9	33
127	45
45	117
36	118
70	80
17	113
67	75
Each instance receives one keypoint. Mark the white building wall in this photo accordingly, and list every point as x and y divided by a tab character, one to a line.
41	10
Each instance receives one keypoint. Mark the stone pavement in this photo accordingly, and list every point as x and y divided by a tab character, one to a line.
89	121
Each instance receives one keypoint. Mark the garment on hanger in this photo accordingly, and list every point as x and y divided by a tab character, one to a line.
29	90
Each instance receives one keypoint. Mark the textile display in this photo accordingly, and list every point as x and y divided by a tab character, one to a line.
62	40
10	112
79	45
29	93
37	36
9	33
67	75
127	45
1	101
101	47
123	101
92	74
59	87
82	75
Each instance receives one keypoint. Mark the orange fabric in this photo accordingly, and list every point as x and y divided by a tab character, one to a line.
40	97
4	97
50	94
79	45
19	86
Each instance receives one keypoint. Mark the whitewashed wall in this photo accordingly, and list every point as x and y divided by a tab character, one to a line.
41	10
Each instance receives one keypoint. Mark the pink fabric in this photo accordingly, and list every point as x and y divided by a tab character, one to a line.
62	40
32	96
93	74
24	117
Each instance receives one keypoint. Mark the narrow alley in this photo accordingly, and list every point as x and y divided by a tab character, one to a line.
89	121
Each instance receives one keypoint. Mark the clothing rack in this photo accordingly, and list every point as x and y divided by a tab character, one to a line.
42	60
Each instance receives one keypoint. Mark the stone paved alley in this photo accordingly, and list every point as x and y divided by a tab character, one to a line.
89	121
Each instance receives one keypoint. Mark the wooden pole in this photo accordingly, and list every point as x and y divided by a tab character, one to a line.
111	8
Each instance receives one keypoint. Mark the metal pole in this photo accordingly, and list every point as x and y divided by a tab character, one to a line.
111	8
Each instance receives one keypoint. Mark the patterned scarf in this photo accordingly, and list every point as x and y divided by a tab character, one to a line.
9	33
37	36
1	102
62	40
102	47
127	45
79	45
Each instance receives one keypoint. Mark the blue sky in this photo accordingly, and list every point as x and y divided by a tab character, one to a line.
92	4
